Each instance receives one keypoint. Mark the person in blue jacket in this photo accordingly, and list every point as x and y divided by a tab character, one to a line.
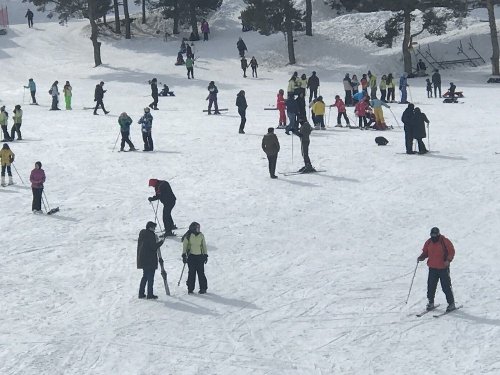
32	87
403	84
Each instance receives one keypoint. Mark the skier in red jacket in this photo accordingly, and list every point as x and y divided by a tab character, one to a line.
439	252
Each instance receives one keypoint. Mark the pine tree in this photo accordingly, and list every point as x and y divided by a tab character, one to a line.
272	16
90	9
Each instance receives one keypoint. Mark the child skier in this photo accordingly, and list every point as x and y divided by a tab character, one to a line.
281	105
190	67
6	159
360	111
147	124
319	112
18	119
429	87
341	112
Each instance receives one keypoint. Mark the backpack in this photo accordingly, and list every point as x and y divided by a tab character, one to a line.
50	92
381	141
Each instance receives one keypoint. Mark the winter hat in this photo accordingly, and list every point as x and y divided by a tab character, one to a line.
18	106
337	97
146	109
39	163
6	146
270	130
153	182
435	232
320	98
101	83
151	225
154	80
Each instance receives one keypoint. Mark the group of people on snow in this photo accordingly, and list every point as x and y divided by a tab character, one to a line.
17	120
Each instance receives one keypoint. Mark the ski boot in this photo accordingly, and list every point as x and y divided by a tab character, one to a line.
451	307
3	181
11	182
430	306
152	296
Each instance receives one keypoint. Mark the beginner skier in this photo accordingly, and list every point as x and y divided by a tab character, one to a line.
281	105
37	178
428	86
377	104
439	252
147	259
67	95
212	98
418	128
194	253
241	103
125	121
341	111
6	159
319	112
154	94
98	97
164	193
18	120
147	124
271	146
32	87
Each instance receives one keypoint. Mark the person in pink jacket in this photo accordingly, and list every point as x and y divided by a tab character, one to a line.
205	29
37	178
339	103
281	105
360	110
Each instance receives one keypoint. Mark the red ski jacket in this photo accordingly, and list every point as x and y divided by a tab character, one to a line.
438	252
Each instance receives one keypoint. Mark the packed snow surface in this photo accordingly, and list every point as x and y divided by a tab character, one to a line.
307	274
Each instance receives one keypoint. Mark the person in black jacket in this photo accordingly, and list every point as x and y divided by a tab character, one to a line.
240	44
98	97
147	259
407	119
154	94
418	127
312	85
29	16
291	111
301	106
436	81
241	103
304	133
244	66
164	193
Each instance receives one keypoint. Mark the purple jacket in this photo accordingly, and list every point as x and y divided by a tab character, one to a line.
205	28
37	178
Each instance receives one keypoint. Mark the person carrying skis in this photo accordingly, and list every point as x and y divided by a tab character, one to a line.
319	112
194	253
154	94
190	67
418	128
271	146
163	192
37	179
125	121
373	84
254	65
312	85
360	111
428	86
241	103
54	92
18	120
4	118
407	119
67	95
6	159
29	15
244	66
32	87
212	98
403	84
281	105
439	252
205	29
240	44
341	112
377	104
348	89
99	97
147	259
147	125
436	81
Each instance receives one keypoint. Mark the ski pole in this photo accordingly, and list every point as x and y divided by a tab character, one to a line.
292	146
156	216
428	137
329	112
182	273
18	174
24	92
46	200
411	285
118	136
395	119
409	91
44	206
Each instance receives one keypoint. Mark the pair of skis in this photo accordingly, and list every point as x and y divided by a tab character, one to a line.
437	315
297	172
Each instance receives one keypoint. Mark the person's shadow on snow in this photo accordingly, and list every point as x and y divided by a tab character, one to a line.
231	301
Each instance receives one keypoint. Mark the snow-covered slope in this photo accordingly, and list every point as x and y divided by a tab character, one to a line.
307	274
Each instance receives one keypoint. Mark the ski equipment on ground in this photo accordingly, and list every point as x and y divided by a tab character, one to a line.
163	272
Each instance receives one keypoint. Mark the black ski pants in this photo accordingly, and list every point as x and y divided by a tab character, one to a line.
254	71
196	266
408	139
148	277
155	102
339	117
168	222
313	93
37	199
9	171
33	96
55	101
421	146
190	70
126	139
6	135
305	151
348	98
362	120
16	129
383	94
272	159
98	104
442	275
437	86
391	96
320	120
243	114
30	22
148	141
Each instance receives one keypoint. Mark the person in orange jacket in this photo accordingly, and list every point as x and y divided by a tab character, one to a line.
439	252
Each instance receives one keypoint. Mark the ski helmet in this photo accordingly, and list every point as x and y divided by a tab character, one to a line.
435	232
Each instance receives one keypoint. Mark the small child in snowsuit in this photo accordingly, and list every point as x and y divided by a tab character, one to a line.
341	112
6	159
429	88
281	105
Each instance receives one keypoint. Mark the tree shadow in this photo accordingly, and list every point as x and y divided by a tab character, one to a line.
232	301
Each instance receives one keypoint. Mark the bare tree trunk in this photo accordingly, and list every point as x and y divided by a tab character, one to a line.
143	11
495	66
127	19
407	40
309	18
94	32
117	17
193	20
176	17
289	33
104	21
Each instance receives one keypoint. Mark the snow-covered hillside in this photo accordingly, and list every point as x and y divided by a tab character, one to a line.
307	274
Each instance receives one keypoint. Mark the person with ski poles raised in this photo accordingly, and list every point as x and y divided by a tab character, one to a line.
194	253
439	252
163	192
147	259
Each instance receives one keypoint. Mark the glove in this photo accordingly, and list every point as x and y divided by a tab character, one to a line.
420	258
206	258
150	199
184	258
447	263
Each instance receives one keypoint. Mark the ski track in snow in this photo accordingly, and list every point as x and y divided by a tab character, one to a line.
307	274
